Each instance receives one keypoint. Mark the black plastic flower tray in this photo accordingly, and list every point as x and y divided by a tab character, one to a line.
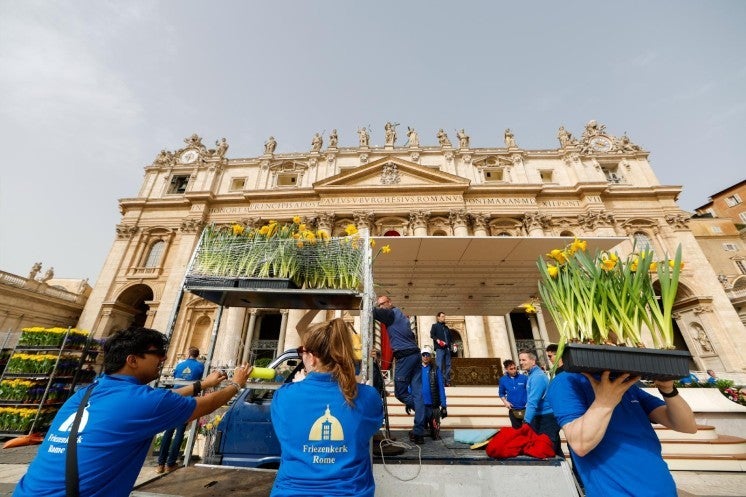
649	364
259	283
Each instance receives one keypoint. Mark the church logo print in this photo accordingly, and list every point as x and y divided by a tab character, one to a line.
326	428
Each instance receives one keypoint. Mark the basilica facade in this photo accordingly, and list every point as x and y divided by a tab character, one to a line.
594	185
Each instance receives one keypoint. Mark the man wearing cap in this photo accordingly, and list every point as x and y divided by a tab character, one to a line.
433	393
408	373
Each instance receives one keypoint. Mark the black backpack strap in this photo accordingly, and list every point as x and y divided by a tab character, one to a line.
72	484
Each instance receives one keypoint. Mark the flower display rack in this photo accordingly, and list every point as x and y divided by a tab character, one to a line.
231	256
278	266
41	373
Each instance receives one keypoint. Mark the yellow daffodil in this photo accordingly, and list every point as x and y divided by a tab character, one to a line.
553	271
386	249
237	229
297	219
372	243
351	230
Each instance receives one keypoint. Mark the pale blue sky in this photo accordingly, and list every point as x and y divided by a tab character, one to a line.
90	91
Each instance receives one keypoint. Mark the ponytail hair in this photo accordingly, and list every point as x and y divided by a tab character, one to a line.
330	342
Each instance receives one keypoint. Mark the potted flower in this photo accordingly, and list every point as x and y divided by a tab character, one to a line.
277	256
601	304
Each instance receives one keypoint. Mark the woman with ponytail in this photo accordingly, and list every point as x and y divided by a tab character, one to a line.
325	422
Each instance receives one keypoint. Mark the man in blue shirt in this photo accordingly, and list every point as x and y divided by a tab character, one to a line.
121	417
408	373
538	411
189	369
433	393
711	377
607	424
512	391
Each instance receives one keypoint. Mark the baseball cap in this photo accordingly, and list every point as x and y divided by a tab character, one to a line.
427	350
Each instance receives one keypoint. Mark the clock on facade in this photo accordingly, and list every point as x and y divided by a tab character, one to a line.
189	156
600	144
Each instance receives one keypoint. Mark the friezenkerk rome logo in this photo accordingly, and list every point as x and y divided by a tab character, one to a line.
327	427
68	423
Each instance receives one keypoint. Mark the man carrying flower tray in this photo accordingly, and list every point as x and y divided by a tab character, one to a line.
607	424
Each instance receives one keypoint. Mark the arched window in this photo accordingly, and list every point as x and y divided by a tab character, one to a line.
642	242
154	257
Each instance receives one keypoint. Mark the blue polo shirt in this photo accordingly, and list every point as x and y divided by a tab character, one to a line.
627	462
189	369
514	388
325	442
115	433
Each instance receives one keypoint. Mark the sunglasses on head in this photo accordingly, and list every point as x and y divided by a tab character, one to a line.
158	352
300	350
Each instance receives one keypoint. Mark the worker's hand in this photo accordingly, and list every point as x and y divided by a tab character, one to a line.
213	379
241	374
609	392
664	386
443	412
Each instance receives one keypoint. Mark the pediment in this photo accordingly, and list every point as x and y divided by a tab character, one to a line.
392	173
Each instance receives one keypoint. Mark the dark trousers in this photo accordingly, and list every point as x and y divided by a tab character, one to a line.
514	421
408	375
547	424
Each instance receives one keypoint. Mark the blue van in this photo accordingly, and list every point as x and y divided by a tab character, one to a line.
245	437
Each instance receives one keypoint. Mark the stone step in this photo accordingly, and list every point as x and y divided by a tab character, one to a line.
479	407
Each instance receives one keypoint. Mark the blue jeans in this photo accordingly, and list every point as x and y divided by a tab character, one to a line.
443	361
170	449
408	388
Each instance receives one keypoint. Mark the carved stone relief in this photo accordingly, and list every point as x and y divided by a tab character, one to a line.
678	221
536	220
390	174
363	219
125	231
418	219
191	225
591	220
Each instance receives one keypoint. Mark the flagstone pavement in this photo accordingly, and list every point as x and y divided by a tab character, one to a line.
14	461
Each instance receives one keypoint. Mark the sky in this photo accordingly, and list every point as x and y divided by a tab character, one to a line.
91	91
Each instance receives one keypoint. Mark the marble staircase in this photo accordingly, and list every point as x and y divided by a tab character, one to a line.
480	407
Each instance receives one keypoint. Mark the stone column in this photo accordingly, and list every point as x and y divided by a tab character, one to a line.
106	280
228	348
283	332
534	222
500	338
418	223
424	323
475	337
180	255
511	337
479	222
249	337
458	219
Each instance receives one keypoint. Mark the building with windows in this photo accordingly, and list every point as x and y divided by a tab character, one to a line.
727	203
720	228
38	299
595	185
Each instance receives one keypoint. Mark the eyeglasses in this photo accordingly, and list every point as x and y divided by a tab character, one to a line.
157	352
301	350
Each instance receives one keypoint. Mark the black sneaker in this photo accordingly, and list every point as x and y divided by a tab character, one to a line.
418	439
